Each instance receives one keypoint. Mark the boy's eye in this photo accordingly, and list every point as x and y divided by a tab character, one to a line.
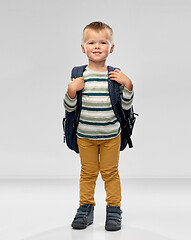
100	42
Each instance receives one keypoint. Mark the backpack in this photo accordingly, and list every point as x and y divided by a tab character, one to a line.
125	117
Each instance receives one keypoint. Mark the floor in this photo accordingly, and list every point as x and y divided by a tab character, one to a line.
153	209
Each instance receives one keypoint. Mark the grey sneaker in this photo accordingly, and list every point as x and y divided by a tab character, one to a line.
113	218
84	216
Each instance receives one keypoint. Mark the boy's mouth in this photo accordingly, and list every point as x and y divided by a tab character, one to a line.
97	53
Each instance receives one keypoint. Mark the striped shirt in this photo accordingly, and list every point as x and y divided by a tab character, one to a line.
97	119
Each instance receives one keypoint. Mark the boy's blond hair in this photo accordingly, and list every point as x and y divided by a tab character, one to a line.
98	26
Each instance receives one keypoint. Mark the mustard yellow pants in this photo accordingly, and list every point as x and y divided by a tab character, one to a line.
107	164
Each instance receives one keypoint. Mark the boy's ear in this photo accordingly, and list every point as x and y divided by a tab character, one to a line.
112	48
83	50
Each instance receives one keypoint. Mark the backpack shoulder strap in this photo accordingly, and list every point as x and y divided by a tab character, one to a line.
114	93
77	71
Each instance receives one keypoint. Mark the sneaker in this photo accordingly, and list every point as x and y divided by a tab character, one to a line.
84	216
113	218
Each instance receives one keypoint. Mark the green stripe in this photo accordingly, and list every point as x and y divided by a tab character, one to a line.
96	80
69	105
97	124
97	109
127	100
89	119
96	94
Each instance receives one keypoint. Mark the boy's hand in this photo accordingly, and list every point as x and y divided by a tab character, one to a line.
77	84
121	78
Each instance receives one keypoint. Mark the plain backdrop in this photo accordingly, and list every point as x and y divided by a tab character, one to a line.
40	44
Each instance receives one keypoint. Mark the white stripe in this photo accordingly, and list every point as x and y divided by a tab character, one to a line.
99	130
96	84
87	127
70	101
127	94
97	114
126	105
96	99
69	109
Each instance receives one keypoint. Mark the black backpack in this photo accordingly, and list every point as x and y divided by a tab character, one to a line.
125	117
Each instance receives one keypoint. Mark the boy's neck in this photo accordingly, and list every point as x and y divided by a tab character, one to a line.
98	67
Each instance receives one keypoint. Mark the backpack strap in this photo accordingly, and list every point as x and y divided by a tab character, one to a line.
78	72
114	92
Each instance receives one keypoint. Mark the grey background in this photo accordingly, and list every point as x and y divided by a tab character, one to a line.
39	45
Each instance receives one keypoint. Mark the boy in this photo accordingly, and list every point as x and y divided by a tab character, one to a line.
98	131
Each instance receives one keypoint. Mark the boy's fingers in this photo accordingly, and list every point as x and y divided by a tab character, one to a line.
112	74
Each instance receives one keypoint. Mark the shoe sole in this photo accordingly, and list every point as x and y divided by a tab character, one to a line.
80	226
112	228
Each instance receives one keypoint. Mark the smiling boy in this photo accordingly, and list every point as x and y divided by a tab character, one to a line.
98	131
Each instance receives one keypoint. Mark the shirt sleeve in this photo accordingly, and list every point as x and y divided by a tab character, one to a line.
126	97
70	104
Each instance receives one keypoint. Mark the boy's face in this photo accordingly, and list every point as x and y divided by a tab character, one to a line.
97	45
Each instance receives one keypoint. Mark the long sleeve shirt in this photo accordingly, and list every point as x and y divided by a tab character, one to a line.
97	119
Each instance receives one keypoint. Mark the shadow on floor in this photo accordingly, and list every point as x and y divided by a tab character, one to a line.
95	232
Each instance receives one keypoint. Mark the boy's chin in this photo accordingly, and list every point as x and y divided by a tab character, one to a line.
98	59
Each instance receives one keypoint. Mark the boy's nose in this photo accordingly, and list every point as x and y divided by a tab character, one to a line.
97	45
